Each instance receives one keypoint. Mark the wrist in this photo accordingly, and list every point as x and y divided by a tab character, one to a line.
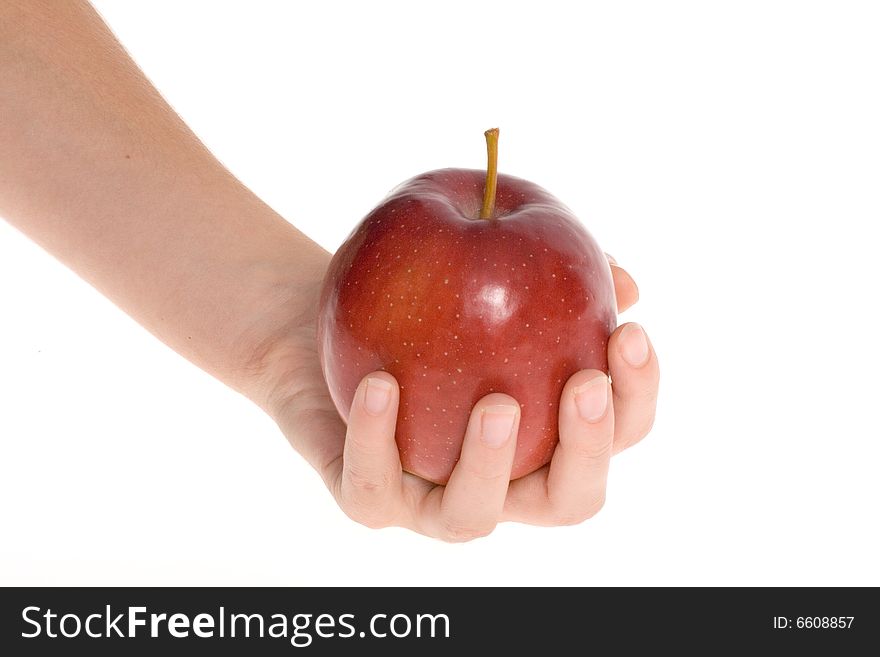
278	342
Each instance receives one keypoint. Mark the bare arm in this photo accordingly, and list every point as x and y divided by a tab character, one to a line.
99	170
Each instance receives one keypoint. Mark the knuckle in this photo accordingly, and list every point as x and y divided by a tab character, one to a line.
639	429
485	471
633	433
591	450
363	497
360	442
646	426
454	531
570	517
369	482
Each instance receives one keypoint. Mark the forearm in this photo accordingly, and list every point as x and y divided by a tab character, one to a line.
96	168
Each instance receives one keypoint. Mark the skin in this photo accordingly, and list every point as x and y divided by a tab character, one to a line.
97	169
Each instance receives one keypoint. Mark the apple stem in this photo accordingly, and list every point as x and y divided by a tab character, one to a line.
487	211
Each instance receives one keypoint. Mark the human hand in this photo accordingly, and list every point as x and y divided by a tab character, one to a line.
137	205
361	467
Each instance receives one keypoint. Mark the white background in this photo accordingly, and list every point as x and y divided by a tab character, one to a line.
728	154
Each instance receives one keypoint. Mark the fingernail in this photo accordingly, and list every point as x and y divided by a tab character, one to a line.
497	425
377	394
591	399
634	345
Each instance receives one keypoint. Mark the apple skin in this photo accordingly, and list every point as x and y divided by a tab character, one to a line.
456	307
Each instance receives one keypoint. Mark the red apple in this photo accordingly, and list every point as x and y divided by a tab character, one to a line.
461	283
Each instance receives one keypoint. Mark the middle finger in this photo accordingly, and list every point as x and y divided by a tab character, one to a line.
473	499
